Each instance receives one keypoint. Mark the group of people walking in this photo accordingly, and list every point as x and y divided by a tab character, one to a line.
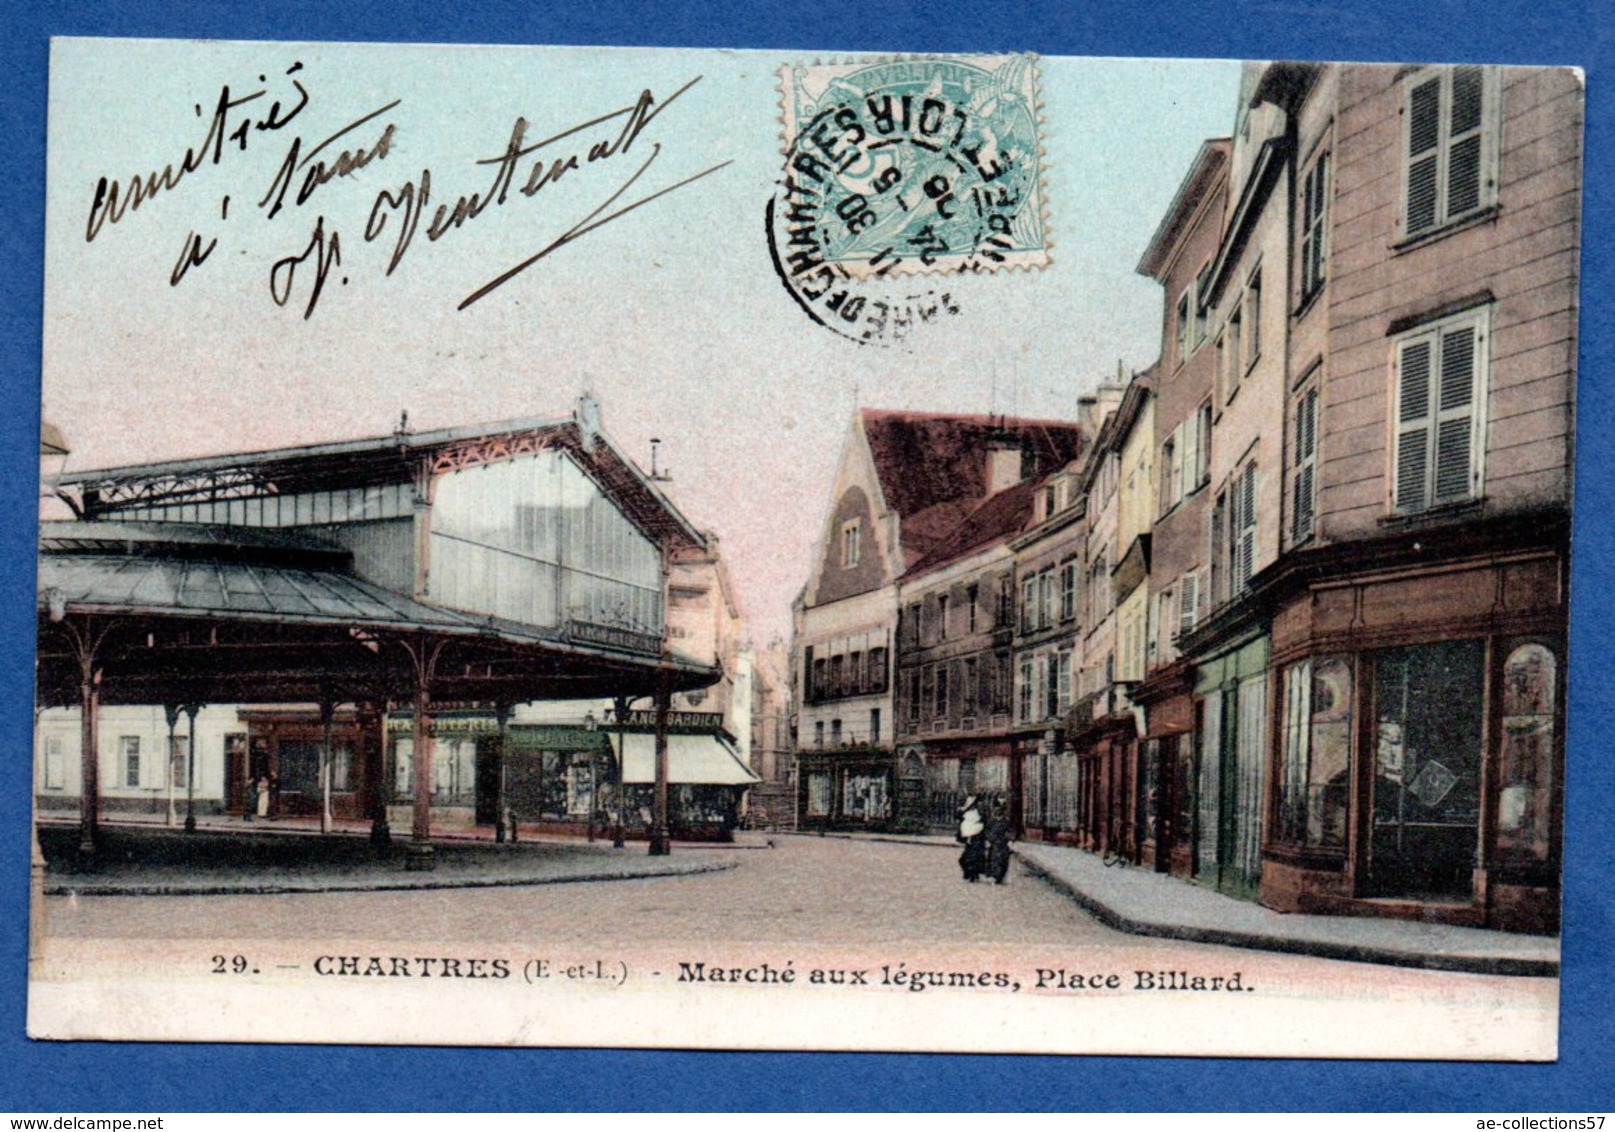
985	833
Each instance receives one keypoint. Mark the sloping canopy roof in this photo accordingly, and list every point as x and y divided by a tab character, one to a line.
379	460
924	459
241	574
222	614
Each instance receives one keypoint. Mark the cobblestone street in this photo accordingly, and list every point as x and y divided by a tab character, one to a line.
824	890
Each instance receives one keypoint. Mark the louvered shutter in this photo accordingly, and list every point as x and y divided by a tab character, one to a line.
1464	140
1306	449
1247	531
1423	113
1413	424
1455	413
1236	525
1188	603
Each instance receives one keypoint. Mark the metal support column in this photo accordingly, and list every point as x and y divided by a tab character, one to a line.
421	857
502	818
87	640
171	712
190	770
620	707
661	842
327	719
373	723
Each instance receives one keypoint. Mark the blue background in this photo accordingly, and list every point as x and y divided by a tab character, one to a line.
85	1077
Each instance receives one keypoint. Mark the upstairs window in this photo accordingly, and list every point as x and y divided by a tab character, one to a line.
851	544
1253	320
1439	402
1314	221
1185	327
1448	147
1202	318
1188	604
1068	591
1306	466
876	679
1241	530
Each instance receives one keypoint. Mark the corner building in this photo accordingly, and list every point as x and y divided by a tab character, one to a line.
1379	677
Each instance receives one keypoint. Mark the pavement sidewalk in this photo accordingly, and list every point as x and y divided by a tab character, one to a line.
1142	902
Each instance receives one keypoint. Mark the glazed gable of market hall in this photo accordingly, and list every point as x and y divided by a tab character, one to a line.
1285	613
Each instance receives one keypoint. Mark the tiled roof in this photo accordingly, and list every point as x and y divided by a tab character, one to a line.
933	466
996	519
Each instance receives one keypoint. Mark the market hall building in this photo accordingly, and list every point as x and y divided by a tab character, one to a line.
471	567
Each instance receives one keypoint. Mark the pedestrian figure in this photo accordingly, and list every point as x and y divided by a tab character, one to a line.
251	806
972	832
998	839
262	789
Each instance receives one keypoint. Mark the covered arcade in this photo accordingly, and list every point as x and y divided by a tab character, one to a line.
479	567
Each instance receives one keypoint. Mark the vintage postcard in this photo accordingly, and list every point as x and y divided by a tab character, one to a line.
791	550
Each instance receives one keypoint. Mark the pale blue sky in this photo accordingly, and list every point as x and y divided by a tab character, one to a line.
672	316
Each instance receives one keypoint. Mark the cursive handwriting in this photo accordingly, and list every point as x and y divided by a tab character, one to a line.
346	162
401	211
112	200
410	201
326	254
589	223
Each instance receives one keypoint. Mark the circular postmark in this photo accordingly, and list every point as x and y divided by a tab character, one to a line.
901	169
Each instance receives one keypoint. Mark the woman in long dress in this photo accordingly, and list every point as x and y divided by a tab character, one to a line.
972	831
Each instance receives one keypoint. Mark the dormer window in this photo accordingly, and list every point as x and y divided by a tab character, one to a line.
851	544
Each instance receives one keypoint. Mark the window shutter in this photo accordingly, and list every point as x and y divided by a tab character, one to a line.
1188	603
1412	424
1423	153
1455	413
1464	140
1236	527
1247	534
1306	449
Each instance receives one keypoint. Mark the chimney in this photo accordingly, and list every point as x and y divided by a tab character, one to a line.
1004	460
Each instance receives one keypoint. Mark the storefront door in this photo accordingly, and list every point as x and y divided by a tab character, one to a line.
1427	759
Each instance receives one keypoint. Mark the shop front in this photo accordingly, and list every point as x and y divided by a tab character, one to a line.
1048	769
1419	746
564	778
1167	764
285	748
1231	690
955	771
1104	735
848	788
